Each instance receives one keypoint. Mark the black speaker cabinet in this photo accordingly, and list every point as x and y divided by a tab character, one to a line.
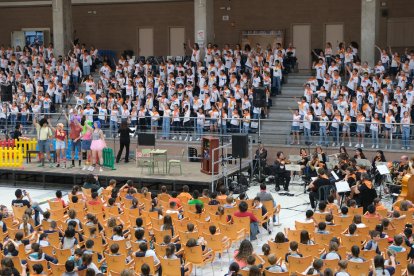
146	139
6	93
259	97
240	145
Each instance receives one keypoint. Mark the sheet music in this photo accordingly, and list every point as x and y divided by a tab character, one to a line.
293	168
335	175
342	187
383	169
294	158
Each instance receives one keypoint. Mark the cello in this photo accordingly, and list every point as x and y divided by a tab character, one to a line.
407	188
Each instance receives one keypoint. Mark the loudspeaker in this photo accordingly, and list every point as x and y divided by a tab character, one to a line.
259	97
6	93
146	139
239	146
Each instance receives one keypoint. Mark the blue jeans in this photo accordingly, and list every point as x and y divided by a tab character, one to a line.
224	128
166	125
199	129
37	211
245	128
374	134
307	132
23	120
276	84
13	119
322	135
113	127
406	136
335	132
254	230
86	70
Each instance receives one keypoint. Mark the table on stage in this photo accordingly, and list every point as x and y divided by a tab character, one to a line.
157	153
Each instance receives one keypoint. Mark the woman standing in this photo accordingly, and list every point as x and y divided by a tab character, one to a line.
124	140
97	145
86	141
61	139
405	130
44	134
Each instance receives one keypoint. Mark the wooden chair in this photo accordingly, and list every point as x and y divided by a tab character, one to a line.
54	239
332	264
310	227
139	261
319	217
343	221
232	233
401	257
361	269
371	222
185	236
309	249
160	234
335	230
19	212
55	205
349	241
160	250
57	269
203	226
17	263
268	273
322	239
355	211
58	214
156	223
123	247
117	263
299	264
95	209
279	249
196	256
174	267
49	250
62	255
399	224
30	264
218	243
363	232
293	235
368	254
218	218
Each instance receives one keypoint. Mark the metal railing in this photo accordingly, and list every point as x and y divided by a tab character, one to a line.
268	131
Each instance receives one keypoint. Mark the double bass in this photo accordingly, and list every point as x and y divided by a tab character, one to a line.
407	188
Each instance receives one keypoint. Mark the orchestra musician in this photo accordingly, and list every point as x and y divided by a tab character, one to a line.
261	155
313	187
282	176
398	170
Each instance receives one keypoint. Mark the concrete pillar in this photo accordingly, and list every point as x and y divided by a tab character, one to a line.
62	26
369	29
203	22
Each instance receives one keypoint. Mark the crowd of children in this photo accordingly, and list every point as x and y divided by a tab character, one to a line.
349	97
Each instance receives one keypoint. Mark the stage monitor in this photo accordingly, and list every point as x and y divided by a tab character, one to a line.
146	139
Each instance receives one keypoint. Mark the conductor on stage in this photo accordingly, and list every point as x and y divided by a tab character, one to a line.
282	176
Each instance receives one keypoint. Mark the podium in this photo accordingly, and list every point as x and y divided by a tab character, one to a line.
208	145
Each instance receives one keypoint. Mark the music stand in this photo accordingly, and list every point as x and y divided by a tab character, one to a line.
295	168
342	187
383	171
